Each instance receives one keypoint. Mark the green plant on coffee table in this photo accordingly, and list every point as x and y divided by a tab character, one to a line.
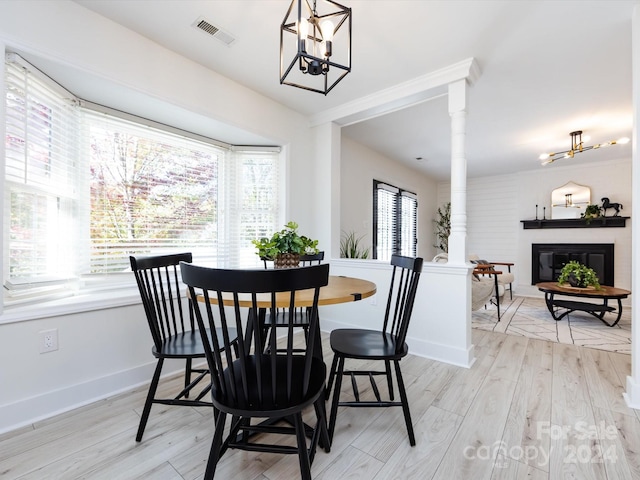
350	246
286	240
578	275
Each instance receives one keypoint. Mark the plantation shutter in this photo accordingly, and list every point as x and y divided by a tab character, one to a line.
408	223
385	220
395	221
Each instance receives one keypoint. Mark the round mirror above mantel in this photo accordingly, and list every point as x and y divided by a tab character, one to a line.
570	201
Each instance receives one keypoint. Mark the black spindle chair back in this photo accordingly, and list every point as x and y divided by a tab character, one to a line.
402	293
387	345
172	327
260	382
159	286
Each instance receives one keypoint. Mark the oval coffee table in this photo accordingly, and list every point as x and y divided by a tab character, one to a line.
598	310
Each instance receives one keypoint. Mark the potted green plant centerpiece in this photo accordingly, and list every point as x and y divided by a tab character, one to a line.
285	246
578	275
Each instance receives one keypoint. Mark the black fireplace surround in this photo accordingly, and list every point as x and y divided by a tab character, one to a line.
547	259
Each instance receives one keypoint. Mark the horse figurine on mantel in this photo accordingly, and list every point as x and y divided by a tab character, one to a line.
606	204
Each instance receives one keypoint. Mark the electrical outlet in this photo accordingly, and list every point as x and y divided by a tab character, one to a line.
48	340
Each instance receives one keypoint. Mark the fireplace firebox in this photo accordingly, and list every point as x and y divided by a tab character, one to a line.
547	259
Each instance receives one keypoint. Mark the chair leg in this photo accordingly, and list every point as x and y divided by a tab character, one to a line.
216	446
306	334
336	397
387	367
303	454
332	374
321	415
405	404
187	376
149	401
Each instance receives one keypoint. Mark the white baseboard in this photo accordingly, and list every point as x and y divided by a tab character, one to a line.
460	357
632	395
31	410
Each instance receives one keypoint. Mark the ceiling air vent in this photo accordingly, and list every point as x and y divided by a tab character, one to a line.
214	31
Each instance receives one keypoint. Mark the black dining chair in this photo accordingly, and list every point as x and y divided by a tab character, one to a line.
172	328
260	383
387	345
272	323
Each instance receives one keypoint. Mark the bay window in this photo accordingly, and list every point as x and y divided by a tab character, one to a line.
85	187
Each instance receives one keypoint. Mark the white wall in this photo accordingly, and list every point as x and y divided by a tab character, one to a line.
496	205
99	353
358	168
107	350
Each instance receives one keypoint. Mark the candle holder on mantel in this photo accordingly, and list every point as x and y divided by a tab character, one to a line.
544	213
536	211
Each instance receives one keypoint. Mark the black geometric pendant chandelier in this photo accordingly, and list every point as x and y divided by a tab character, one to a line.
318	44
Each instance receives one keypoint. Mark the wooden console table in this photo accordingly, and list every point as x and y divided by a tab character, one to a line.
598	310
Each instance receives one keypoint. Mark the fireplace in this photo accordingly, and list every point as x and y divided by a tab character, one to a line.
547	259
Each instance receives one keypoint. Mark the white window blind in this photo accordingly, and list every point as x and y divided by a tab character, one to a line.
151	192
41	176
395	221
86	189
408	223
259	209
385	220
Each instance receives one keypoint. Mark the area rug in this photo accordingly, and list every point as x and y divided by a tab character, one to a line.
529	317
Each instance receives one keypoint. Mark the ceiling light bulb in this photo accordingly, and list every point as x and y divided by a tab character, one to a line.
624	140
323	49
544	156
327	30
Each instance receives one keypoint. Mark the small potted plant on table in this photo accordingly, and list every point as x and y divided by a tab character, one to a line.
285	246
578	275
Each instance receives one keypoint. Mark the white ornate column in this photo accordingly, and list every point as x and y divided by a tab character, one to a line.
445	288
458	113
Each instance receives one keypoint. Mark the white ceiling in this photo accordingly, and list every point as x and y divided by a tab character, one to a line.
547	68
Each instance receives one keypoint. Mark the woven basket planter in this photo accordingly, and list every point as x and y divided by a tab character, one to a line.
286	260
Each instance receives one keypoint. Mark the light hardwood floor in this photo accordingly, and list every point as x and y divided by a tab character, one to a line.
526	409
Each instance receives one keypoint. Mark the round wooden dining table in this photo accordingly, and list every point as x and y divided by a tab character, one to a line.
339	290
